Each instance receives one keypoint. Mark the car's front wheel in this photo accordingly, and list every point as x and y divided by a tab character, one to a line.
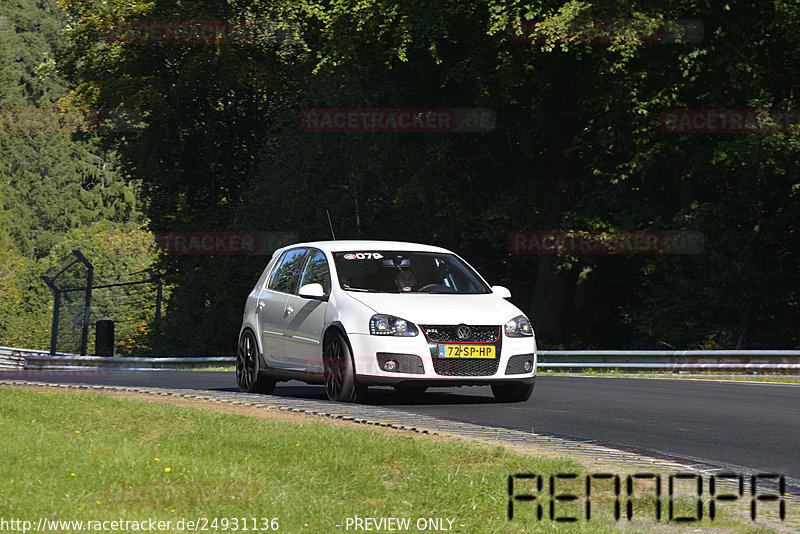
512	392
248	377
339	373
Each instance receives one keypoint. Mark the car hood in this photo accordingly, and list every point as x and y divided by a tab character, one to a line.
427	308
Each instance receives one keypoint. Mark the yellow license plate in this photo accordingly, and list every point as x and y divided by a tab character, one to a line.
466	351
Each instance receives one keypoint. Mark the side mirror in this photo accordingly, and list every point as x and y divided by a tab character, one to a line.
312	291
501	292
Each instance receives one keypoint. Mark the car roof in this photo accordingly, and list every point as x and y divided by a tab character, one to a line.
356	245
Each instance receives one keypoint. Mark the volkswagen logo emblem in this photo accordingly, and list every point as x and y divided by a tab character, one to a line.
463	332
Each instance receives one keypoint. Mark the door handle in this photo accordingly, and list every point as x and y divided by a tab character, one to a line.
289	311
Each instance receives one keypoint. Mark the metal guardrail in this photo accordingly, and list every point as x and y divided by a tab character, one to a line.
673	361
40	359
11	362
668	361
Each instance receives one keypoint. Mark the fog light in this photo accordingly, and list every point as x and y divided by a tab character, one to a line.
528	366
390	366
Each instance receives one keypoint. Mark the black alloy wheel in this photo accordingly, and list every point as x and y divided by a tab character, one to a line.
340	380
248	376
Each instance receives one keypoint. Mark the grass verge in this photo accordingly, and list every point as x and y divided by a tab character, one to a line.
89	457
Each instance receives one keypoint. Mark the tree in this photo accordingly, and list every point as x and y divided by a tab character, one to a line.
578	145
52	179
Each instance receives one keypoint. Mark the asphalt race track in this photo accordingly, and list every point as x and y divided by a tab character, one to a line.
744	427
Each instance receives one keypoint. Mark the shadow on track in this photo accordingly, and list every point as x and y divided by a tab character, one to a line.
384	396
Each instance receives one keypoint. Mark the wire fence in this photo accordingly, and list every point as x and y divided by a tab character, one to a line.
71	284
132	301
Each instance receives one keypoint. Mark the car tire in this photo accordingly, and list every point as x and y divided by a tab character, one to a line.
512	392
248	373
339	372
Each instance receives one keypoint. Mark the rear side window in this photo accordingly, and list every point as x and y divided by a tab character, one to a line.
287	273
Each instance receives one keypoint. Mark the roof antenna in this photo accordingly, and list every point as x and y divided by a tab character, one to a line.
331	224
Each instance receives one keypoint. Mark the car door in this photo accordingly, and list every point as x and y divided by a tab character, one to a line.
272	305
305	318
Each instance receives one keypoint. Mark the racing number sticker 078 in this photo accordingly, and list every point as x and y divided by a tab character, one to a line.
363	256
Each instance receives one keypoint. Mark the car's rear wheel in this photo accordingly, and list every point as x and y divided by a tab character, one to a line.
248	376
512	392
339	373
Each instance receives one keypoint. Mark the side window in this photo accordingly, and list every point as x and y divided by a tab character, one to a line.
287	273
317	271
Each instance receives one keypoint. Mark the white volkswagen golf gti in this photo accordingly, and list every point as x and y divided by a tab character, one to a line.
350	314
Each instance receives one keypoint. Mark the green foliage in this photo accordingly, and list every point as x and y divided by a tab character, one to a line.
56	186
24	307
578	145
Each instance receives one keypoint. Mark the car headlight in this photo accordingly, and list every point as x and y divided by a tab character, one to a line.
519	326
388	325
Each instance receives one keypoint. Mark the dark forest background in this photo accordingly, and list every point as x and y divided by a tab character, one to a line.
578	145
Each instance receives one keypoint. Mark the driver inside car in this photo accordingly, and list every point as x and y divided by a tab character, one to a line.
405	281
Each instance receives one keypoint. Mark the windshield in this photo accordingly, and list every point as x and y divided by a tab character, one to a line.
383	271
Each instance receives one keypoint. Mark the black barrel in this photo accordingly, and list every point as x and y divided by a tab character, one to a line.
104	338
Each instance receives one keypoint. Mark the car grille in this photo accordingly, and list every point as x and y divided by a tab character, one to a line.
448	333
465	366
479	334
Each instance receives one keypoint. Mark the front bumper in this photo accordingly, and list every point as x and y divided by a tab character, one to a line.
415	358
